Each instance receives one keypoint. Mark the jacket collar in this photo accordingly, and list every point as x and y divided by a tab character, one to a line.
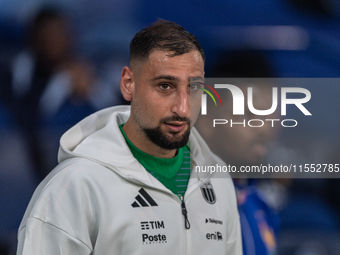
99	139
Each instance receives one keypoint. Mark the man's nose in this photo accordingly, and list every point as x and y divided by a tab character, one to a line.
181	104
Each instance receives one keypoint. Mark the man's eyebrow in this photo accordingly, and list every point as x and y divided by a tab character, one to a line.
173	78
196	79
165	77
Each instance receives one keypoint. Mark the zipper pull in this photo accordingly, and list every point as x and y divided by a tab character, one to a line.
185	214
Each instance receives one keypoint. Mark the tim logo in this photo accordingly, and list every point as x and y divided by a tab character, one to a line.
214	236
145	225
238	99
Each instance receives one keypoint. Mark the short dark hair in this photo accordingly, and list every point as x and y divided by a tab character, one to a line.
165	36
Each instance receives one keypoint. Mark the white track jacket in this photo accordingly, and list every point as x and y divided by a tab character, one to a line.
99	200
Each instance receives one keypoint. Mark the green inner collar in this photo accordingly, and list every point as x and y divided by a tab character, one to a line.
166	167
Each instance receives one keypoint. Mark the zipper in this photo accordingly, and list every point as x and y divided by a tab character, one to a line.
184	209
187	224
185	213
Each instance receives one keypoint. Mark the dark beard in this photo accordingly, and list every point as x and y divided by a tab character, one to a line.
159	138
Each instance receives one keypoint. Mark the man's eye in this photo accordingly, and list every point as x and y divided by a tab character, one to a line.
195	86
165	86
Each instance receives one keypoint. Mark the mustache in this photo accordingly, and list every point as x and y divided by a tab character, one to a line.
175	118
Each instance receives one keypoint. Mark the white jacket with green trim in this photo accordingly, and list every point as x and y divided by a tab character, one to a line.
99	200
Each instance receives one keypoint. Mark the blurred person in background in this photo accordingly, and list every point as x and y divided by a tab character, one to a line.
248	146
47	75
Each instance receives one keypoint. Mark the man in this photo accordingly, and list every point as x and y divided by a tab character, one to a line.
123	185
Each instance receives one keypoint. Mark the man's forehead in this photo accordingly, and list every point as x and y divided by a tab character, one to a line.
168	55
161	63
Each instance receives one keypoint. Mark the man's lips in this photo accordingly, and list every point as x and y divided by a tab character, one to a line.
176	126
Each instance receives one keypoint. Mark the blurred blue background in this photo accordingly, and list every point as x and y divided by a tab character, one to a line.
300	39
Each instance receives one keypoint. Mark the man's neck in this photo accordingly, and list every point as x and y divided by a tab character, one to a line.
141	141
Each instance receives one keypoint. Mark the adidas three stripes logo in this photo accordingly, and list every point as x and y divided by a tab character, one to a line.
143	199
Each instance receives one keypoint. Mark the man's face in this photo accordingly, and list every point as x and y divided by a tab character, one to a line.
160	106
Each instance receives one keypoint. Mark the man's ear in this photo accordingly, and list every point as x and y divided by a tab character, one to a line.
127	83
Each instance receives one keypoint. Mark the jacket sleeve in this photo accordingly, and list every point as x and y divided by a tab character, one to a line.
41	238
60	217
